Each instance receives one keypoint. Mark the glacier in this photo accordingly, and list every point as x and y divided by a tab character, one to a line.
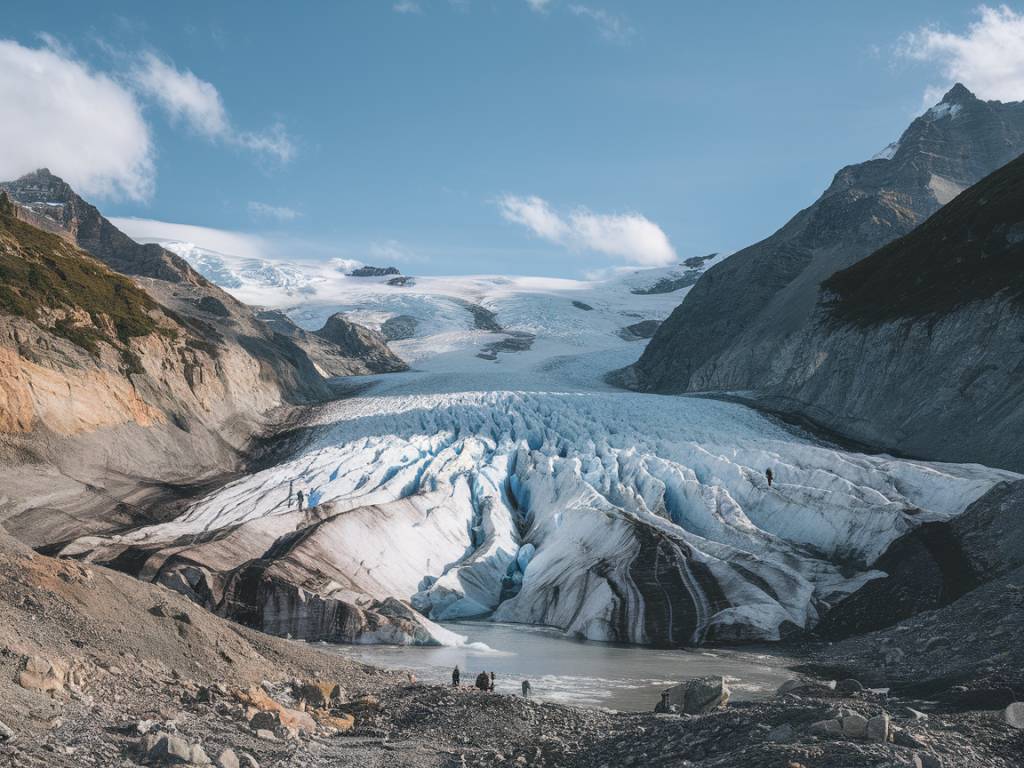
521	488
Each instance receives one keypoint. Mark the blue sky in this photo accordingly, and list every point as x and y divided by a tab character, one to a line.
478	136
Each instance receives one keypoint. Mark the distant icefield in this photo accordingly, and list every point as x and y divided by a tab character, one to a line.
524	489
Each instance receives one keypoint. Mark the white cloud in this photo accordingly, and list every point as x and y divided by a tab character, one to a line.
279	212
629	236
988	58
540	6
81	124
220	240
407	6
198	103
612	27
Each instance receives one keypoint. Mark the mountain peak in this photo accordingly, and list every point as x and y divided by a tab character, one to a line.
958	94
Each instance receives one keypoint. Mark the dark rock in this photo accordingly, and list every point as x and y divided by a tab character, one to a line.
645	329
702	694
369	271
581	305
848	687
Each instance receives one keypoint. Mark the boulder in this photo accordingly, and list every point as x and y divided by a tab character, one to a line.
227	759
41	674
702	694
910	713
341	723
318	693
855	726
878	728
788	686
926	760
781	733
831	728
848	687
6	734
168	749
1015	714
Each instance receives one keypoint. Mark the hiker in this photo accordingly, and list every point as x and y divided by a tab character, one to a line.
291	484
483	682
455	677
770	475
301	498
526	689
492	682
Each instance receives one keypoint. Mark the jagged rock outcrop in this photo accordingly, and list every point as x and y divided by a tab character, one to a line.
359	343
371	271
347	349
749	323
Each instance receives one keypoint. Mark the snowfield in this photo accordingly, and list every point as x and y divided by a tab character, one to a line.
523	489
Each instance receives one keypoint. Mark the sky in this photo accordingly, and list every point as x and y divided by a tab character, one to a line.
548	137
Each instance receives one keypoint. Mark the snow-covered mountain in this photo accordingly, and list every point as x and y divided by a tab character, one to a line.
431	320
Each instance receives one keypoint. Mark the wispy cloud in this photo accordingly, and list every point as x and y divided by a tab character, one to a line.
407	6
198	103
83	125
540	6
629	236
386	252
611	27
278	212
220	240
988	58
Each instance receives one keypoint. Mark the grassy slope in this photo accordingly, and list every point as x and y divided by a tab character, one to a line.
40	271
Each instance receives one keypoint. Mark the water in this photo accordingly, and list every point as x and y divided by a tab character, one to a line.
621	677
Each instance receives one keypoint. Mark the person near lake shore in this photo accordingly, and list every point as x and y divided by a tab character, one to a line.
291	491
483	682
455	677
526	689
770	475
492	682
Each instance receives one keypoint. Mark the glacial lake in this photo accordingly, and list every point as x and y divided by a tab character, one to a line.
590	674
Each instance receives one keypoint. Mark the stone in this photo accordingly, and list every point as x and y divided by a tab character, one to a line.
1014	714
702	694
788	686
904	738
855	726
199	756
878	728
266	735
248	761
926	760
318	693
912	714
227	759
848	687
264	721
41	674
827	728
6	734
341	723
781	733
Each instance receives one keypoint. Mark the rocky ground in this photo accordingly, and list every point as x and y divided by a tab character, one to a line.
99	669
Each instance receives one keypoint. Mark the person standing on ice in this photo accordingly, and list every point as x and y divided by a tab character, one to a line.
483	682
291	484
491	689
526	689
301	498
455	677
770	475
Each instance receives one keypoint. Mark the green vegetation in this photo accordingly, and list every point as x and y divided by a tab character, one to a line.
970	250
39	271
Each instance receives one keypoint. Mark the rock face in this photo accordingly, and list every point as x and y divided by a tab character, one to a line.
755	322
359	343
121	365
347	350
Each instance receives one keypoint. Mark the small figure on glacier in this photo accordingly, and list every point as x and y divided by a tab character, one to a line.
770	475
492	683
526	689
301	497
455	677
291	485
483	682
